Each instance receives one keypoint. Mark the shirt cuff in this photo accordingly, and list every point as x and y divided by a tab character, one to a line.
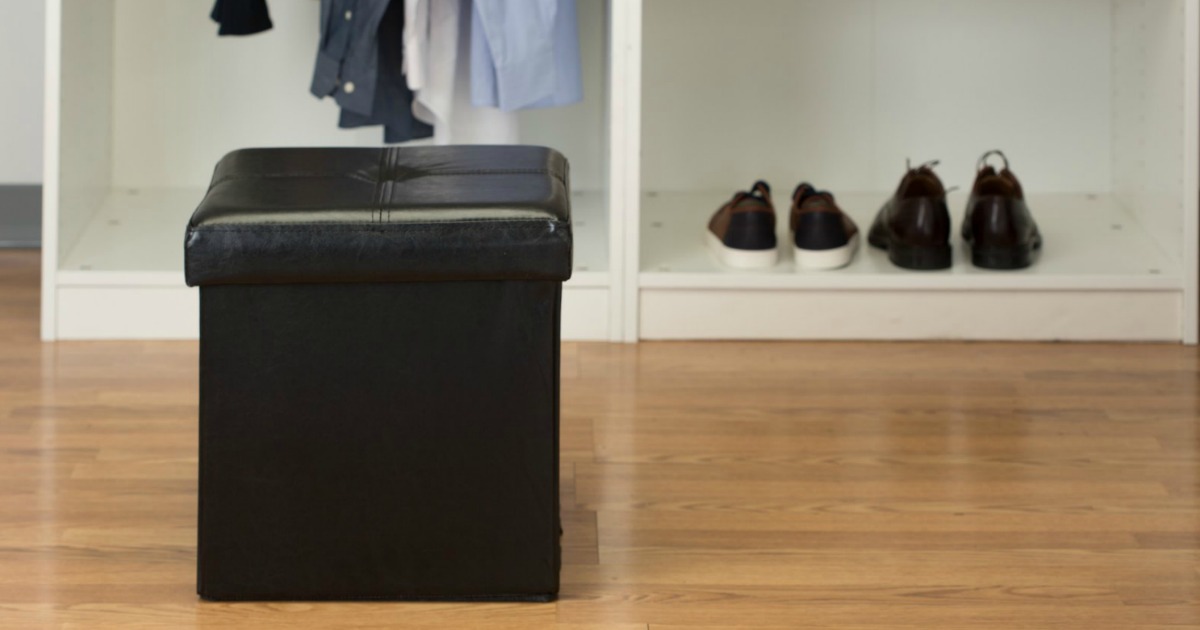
522	83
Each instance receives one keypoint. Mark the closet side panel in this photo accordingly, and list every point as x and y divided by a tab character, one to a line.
1149	117
85	116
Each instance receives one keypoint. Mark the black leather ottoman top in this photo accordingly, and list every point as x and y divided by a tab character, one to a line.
383	215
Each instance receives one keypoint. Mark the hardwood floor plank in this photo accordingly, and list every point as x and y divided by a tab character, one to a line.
714	486
790	607
825	568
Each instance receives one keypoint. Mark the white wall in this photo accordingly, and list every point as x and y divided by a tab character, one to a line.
22	30
840	93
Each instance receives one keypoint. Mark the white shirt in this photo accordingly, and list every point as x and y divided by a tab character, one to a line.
437	60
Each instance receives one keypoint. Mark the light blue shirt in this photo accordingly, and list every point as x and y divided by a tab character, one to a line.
525	54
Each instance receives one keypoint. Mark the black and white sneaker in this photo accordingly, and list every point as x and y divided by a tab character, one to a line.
742	233
823	237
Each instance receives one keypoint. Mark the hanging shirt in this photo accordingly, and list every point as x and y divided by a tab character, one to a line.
348	56
241	17
437	59
393	106
360	63
418	32
525	54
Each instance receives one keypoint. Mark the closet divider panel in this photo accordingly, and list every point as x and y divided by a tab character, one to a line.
1154	133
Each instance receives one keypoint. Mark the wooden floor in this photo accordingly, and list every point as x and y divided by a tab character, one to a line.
705	485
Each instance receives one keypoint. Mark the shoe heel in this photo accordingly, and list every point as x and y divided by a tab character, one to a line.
1003	259
929	258
827	259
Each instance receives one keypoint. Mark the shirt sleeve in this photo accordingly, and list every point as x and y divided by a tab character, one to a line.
416	42
519	35
241	17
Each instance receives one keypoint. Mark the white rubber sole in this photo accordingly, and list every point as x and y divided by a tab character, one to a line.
828	259
741	258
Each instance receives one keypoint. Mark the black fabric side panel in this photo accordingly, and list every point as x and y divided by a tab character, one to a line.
379	441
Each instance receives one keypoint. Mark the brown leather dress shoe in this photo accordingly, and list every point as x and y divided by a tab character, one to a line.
742	233
823	237
998	226
914	225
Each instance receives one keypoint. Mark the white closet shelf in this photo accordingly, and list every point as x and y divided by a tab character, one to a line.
1092	242
136	238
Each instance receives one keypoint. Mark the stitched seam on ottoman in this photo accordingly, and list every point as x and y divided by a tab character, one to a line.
380	184
359	176
393	171
502	171
417	227
533	598
356	175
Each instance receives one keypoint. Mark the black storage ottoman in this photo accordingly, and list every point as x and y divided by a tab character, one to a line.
379	373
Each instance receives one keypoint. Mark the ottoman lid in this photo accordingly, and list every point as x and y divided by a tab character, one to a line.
382	215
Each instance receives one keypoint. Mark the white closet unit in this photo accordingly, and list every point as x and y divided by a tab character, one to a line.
144	98
1096	102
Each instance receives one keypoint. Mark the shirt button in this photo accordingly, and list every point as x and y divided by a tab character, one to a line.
348	87
349	15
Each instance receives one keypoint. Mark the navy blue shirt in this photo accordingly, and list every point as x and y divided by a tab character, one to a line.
360	63
241	17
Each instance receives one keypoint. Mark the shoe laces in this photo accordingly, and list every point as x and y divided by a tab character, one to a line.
760	191
928	166
807	192
986	172
804	192
983	161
